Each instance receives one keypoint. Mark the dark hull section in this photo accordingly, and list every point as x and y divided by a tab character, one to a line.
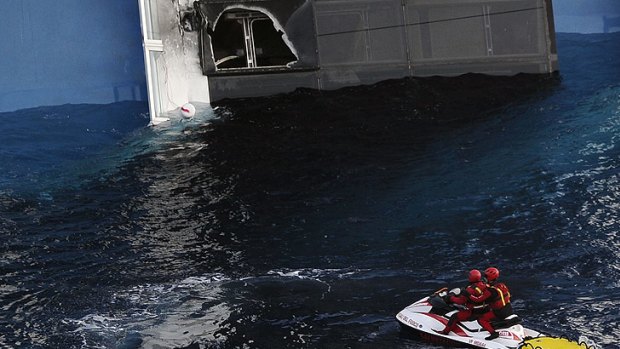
328	44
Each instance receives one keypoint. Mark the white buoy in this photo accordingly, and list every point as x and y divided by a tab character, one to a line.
188	110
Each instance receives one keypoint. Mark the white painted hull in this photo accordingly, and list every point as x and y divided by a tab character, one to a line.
420	317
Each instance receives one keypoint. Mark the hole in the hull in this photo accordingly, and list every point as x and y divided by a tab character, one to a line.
248	39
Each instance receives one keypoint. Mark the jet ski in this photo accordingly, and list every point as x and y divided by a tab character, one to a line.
428	316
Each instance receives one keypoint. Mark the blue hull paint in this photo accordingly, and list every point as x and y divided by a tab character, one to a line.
70	51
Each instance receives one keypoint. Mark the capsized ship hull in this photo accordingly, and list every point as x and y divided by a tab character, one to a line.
209	50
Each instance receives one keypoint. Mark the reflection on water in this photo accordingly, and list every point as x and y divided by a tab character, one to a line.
158	315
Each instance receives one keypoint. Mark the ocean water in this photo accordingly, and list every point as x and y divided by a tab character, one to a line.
308	220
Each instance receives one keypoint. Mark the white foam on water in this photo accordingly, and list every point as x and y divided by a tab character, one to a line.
159	315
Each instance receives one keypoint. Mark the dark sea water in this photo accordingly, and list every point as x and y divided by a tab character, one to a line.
309	220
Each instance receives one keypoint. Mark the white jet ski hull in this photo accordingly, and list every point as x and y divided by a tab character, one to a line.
421	317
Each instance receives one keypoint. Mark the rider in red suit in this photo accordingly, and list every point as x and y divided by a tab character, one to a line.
497	296
473	308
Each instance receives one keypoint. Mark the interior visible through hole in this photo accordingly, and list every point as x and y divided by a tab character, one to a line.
249	39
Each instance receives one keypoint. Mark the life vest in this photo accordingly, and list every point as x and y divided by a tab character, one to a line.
502	298
476	290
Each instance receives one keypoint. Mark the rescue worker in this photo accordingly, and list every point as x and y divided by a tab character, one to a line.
497	296
472	308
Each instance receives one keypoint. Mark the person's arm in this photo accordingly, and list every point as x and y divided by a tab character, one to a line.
461	299
486	294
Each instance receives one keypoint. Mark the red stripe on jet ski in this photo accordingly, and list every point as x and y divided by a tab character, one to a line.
438	318
458	330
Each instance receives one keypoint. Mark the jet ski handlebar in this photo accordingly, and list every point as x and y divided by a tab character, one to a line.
440	300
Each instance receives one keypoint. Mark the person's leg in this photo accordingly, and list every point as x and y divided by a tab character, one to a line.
485	322
461	315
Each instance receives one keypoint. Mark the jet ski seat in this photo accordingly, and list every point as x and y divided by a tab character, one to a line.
440	306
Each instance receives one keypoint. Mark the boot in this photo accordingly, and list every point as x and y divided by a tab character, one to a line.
449	326
492	336
445	330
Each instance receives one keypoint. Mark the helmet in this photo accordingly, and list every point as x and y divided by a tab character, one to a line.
474	275
491	274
